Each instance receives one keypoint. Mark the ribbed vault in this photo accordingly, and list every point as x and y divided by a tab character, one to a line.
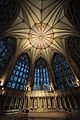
46	16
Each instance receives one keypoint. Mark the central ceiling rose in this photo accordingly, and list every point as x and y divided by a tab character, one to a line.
41	36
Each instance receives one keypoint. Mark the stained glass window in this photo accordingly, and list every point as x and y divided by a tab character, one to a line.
41	75
7	49
73	45
64	77
20	73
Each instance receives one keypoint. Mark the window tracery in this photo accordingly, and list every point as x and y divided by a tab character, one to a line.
20	73
41	76
64	76
7	49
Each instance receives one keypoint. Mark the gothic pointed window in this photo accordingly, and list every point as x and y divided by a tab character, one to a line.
73	46
41	75
7	49
20	73
64	77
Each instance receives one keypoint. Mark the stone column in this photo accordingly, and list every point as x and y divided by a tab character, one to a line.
51	76
30	83
74	69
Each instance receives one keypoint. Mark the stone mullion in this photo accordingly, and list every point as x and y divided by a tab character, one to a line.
60	102
11	102
16	102
5	101
20	103
75	103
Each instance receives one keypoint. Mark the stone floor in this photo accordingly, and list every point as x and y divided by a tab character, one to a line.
39	116
46	115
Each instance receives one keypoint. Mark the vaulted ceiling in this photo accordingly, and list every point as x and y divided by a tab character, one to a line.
41	27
